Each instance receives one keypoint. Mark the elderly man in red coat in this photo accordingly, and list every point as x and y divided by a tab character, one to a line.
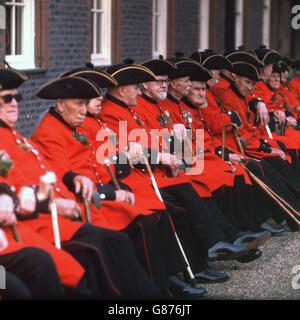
294	83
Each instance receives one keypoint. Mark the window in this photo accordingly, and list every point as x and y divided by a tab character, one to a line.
159	28
239	22
101	32
20	33
203	25
266	22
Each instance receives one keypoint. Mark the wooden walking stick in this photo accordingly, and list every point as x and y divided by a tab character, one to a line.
280	201
87	210
236	137
15	232
112	176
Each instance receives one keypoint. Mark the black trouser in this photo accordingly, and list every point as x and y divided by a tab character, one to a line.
156	247
270	176
108	257
205	219
242	206
36	269
15	288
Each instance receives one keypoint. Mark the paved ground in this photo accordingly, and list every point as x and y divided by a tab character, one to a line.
268	278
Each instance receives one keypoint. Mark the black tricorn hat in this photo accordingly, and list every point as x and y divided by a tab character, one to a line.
188	67
276	68
211	60
159	66
100	78
267	56
283	65
247	70
246	57
68	88
11	78
200	74
130	74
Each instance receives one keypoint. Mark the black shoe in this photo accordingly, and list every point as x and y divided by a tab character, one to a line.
274	231
251	256
252	240
210	276
226	251
293	226
180	289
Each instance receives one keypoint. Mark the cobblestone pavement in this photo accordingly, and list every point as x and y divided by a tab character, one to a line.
267	278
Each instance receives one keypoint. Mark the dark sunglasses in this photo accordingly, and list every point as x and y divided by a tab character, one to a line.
8	97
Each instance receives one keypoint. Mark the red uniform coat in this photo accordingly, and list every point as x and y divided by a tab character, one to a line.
113	111
274	101
222	85
232	100
214	167
294	85
64	153
139	184
214	115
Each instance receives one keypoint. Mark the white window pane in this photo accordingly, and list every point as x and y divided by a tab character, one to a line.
156	26
99	30
155	6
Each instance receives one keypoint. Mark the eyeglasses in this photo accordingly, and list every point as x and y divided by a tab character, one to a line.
161	82
9	97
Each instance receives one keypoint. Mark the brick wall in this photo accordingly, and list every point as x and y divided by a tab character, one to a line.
186	27
254	24
136	30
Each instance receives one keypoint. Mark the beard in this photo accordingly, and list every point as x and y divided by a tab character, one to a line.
162	95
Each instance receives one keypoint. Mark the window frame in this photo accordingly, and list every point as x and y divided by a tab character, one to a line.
203	18
26	60
239	23
161	35
103	58
266	19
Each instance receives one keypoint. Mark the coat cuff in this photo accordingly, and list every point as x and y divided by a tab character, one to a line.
264	146
106	191
218	152
68	180
234	117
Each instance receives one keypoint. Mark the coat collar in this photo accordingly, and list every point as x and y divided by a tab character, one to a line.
116	101
172	98
147	98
